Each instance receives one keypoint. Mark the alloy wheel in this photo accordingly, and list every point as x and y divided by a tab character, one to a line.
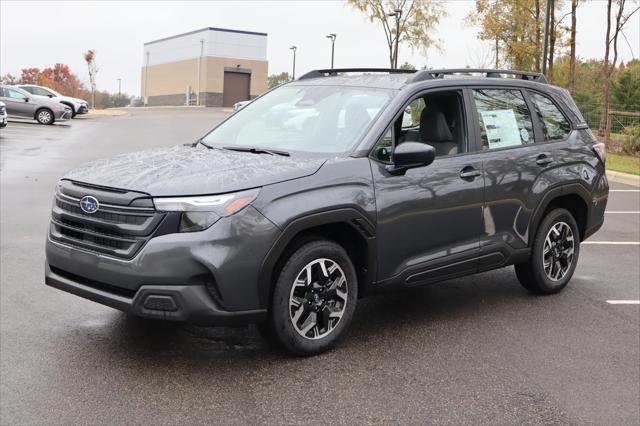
558	251
318	298
44	117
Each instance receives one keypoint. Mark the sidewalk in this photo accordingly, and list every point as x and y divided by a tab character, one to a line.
625	178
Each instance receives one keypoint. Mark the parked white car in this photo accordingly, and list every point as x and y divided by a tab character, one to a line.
78	106
3	115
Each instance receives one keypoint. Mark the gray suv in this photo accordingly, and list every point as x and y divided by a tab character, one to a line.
331	188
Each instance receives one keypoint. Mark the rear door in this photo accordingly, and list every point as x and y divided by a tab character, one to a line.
517	167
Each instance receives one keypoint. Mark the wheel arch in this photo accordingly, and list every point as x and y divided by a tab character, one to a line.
70	105
575	198
347	227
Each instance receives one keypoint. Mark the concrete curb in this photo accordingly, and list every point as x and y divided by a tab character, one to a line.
625	178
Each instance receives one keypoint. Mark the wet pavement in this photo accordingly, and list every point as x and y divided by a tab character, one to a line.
473	350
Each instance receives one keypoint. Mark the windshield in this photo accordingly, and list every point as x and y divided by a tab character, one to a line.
323	119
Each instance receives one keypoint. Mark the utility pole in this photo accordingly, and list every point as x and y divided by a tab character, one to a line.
146	80
199	66
398	14
119	91
294	48
546	37
333	41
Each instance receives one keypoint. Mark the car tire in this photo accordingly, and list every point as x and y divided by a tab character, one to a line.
554	255
45	116
313	300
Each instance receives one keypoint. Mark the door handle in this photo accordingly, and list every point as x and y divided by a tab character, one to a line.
543	160
469	173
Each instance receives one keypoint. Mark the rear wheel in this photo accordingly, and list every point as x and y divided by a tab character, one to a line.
313	300
554	255
45	116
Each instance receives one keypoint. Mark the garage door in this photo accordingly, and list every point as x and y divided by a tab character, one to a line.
236	88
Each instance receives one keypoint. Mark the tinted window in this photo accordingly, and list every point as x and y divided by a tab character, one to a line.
504	118
554	124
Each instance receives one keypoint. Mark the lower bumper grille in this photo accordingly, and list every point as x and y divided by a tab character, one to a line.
114	230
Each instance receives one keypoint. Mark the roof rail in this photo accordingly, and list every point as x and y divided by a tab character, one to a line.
491	73
336	71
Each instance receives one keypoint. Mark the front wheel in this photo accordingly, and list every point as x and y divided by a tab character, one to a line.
313	300
554	255
44	116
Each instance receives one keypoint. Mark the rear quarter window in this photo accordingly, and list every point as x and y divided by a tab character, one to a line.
555	125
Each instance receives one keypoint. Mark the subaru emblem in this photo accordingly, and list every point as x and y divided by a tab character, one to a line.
89	204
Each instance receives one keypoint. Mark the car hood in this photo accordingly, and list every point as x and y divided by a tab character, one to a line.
189	170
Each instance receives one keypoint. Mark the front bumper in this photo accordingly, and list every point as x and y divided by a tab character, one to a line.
63	115
82	109
3	121
183	303
211	276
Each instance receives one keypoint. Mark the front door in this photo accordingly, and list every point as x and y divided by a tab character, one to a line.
429	219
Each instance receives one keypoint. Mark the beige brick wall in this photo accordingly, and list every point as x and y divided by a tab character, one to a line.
173	78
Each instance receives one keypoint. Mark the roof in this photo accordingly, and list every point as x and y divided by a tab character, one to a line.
396	79
224	30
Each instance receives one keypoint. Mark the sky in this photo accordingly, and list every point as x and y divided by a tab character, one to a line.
40	34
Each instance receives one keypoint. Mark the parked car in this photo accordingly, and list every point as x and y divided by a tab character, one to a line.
3	115
239	105
288	222
78	106
22	104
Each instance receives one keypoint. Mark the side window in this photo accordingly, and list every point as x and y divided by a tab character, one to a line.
554	124
40	92
14	94
504	118
411	116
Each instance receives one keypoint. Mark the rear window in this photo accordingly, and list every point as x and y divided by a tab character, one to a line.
554	124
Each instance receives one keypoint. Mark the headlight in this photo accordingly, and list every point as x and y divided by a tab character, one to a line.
200	212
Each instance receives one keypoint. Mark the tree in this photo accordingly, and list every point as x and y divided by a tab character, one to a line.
90	58
418	19
625	92
407	66
572	47
30	76
8	79
609	66
278	79
61	79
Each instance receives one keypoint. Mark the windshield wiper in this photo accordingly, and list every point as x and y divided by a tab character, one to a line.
255	150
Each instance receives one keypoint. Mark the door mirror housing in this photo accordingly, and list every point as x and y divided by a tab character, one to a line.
50	95
410	155
26	99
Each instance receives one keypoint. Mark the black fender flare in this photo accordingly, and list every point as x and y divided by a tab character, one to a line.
552	194
349	216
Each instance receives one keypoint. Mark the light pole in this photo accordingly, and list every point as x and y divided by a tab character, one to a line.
199	68
146	81
294	48
398	14
333	42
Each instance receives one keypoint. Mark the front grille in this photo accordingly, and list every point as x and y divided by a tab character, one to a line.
3	110
114	230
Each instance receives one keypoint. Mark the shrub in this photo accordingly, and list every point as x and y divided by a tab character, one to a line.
631	144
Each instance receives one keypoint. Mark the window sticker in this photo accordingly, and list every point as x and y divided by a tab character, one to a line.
501	128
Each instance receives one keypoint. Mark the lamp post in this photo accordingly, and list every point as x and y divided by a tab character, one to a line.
333	42
398	14
119	91
146	81
294	48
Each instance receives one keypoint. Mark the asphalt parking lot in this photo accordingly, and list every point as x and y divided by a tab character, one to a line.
473	350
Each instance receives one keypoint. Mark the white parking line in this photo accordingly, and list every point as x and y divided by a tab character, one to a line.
623	302
620	243
623	212
624	190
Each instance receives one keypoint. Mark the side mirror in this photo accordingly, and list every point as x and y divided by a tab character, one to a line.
50	95
409	155
26	99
